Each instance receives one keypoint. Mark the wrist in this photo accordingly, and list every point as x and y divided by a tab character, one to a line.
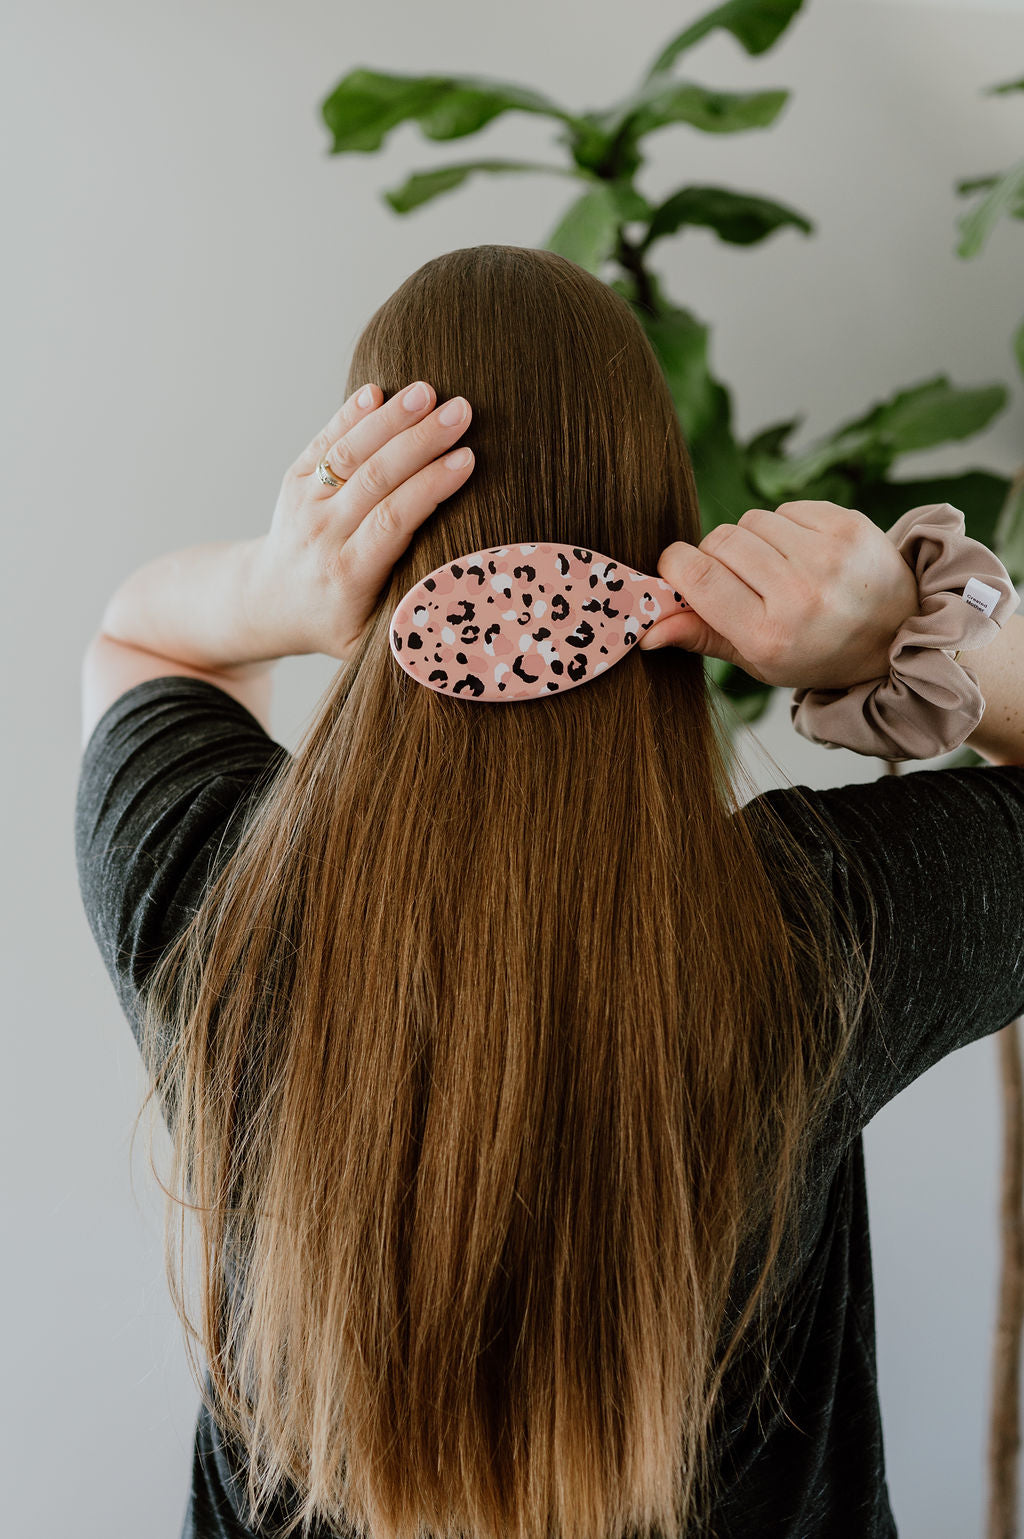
273	630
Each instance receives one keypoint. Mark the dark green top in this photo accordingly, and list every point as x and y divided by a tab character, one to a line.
164	787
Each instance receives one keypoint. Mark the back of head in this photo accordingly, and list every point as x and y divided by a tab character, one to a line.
513	1050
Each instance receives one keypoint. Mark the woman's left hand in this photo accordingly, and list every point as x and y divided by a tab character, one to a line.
318	572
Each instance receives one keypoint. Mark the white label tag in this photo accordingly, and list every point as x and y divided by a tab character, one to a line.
981	596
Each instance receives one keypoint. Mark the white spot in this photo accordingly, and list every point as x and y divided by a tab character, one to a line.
500	669
448	635
526	550
525	641
547	649
600	666
500	581
420	615
540	607
510	614
631	626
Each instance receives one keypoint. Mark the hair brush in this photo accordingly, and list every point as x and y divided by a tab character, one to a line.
518	622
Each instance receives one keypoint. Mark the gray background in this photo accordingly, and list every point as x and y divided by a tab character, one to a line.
185	270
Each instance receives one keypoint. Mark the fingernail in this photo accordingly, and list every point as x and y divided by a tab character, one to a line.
652	644
457	459
416	396
365	396
453	412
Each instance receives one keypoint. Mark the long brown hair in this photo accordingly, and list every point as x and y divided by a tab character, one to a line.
493	1047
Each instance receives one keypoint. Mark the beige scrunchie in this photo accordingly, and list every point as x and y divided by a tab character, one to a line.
929	703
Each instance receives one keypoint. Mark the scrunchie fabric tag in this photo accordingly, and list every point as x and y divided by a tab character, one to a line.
928	704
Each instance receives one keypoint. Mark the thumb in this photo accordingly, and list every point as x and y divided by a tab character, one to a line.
665	635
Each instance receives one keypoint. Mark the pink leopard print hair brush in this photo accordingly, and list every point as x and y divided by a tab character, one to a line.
519	622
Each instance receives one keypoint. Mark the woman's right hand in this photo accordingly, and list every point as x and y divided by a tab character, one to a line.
809	596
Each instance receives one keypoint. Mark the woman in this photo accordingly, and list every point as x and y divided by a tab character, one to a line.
515	1072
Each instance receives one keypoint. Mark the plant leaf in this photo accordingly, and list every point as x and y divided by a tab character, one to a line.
1008	541
421	186
979	494
1018	346
367	104
681	343
723	487
715	112
756	24
1005	196
919	418
771	439
739	217
588	232
1009	85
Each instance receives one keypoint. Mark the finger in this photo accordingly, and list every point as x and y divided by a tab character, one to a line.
398	459
759	564
721	598
369	554
791	538
358	444
359	404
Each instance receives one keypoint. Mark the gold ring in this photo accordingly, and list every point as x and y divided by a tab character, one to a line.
327	476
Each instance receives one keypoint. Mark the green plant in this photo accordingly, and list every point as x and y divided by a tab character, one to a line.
1004	199
611	221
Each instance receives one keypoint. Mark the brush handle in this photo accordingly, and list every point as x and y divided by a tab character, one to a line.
520	622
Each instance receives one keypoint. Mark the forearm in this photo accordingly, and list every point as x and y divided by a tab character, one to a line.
197	606
999	736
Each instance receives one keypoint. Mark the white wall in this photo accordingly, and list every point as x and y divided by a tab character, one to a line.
184	272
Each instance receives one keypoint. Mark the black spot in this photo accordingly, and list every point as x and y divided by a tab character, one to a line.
551	684
583	635
469	634
415	640
468	613
476	570
517	669
556	666
471	683
396	638
579	671
460	657
582	555
559	607
561	563
440	675
541	634
490	633
456	569
429	583
531	571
